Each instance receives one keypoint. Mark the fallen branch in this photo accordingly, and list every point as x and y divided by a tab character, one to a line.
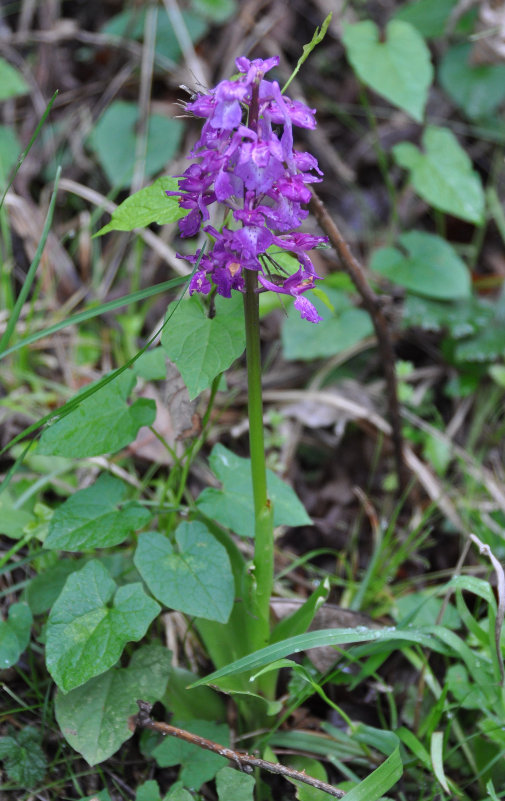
373	306
244	762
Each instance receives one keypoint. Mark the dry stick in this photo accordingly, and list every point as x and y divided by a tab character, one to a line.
373	306
244	762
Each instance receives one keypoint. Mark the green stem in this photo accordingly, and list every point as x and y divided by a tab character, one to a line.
263	512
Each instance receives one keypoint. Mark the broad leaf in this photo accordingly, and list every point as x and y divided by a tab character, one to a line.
203	346
131	23
14	634
443	174
12	82
217	11
43	589
429	17
24	760
478	89
340	329
460	319
94	718
114	137
426	264
197	764
90	624
148	205
102	423
194	578
96	517
233	785
486	346
399	68
233	506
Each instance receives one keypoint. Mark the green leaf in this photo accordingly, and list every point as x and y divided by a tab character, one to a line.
217	11
341	328
426	264
194	578
486	346
113	140
380	781
94	718
461	319
399	68
148	205
24	760
148	791
90	624
429	636
12	82
233	505
478	89
152	365
130	23
429	17
102	423
443	174
299	621
421	609
232	785
14	634
198	765
96	517
203	346
13	521
468	694
10	148
44	589
313	767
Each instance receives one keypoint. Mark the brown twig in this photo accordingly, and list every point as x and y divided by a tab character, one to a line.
373	306
244	762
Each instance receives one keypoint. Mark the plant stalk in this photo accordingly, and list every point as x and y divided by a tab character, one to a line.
263	512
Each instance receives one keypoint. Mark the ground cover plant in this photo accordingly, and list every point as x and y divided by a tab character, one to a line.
251	337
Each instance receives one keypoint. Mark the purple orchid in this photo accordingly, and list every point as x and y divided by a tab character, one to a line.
254	172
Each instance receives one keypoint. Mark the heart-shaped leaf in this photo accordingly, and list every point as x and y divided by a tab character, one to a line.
341	328
102	423
429	17
203	346
478	89
399	68
90	624
197	765
95	517
114	138
94	717
430	266
443	174
233	505
195	578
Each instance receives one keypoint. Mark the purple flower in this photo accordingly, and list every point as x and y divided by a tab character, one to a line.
294	285
253	171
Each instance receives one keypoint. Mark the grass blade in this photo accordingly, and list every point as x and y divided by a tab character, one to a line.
25	289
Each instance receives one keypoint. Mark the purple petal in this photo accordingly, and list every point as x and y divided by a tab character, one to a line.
307	309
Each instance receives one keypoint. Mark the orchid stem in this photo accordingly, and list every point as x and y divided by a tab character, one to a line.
263	511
